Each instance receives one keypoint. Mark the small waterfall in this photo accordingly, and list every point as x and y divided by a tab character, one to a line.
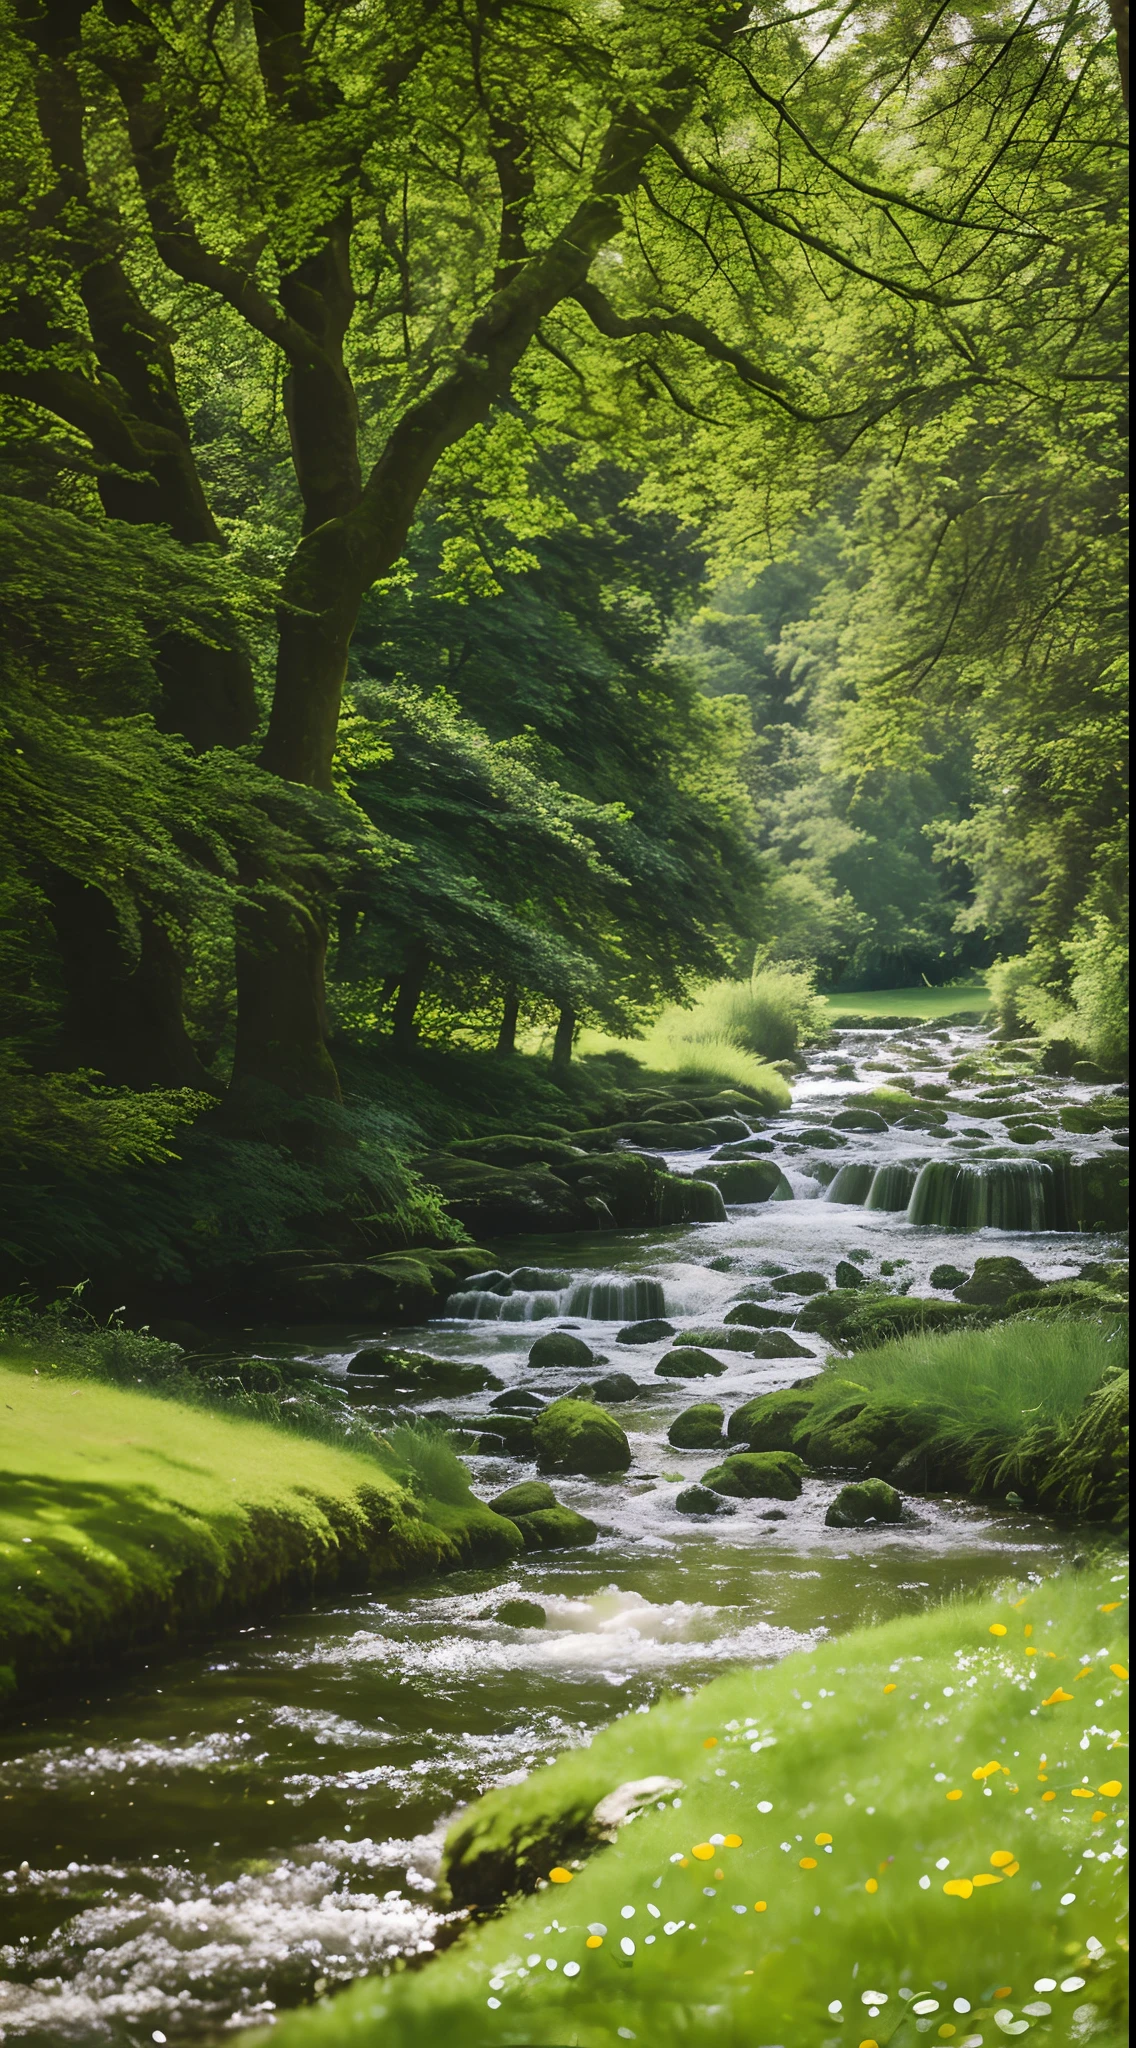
998	1194
891	1186
532	1296
626	1298
851	1184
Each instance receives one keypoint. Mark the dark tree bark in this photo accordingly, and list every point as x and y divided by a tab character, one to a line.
404	1036
281	1012
507	1035
563	1042
1118	9
122	1015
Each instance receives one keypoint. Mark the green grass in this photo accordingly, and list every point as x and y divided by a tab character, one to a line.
1015	1370
861	1740
915	1003
125	1518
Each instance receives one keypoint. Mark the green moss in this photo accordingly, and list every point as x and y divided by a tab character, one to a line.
771	1421
757	1475
866	1500
576	1436
698	1428
124	1518
689	1363
556	1528
866	1766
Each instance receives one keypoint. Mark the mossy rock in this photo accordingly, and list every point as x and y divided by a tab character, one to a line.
702	1500
820	1138
771	1422
898	1316
413	1373
948	1276
779	1344
994	1280
521	1614
827	1314
1068	1297
556	1528
515	1433
519	1402
746	1148
848	1275
745	1180
614	1387
502	1201
1110	1273
859	1120
526	1499
1087	1118
577	1436
866	1500
718	1337
560	1350
651	1331
689	1364
678	1200
480	1536
698	1428
753	1315
512	1149
873	1436
757	1475
804	1281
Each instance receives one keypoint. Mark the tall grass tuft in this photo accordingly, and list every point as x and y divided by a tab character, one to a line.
421	1454
772	1014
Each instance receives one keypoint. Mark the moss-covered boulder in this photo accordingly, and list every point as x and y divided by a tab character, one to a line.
754	1315
827	1315
746	1180
866	1500
779	1344
757	1475
689	1364
947	1276
611	1387
526	1499
512	1149
702	1500
878	1437
698	1428
994	1280
771	1422
859	1120
900	1316
501	1201
561	1350
848	1275
413	1375
718	1337
577	1436
678	1200
501	1431
542	1520
804	1281
651	1331
820	1138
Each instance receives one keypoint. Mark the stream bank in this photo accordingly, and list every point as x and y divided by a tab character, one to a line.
262	1819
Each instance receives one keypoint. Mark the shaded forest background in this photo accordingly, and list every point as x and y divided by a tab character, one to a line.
512	514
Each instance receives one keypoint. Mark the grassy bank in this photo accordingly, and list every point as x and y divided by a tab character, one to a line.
904	1811
1032	1408
125	1519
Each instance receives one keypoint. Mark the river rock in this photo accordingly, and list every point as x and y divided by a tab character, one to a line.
746	1148
499	1201
519	1402
804	1282
757	1475
682	1200
415	1374
614	1387
848	1275
698	1428
947	1276
689	1364
859	1120
865	1500
779	1344
526	1499
747	1180
702	1500
560	1349
577	1436
820	1138
770	1422
994	1280
544	1522
754	1316
511	1149
649	1332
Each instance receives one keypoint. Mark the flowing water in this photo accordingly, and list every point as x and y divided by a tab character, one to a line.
214	1838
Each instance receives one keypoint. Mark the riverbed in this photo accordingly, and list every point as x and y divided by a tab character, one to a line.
211	1839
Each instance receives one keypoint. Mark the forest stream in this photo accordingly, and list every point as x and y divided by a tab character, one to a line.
207	1841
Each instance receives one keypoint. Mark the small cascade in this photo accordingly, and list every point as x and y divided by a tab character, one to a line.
532	1296
851	1184
996	1194
616	1297
891	1186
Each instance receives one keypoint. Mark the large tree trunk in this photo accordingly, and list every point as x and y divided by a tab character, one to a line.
507	1035
281	1014
562	1043
122	1013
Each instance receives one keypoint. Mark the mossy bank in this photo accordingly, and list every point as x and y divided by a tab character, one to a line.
920	1821
128	1520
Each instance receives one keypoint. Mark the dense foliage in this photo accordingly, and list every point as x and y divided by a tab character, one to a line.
508	511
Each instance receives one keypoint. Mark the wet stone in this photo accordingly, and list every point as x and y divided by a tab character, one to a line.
689	1364
848	1275
559	1349
947	1276
752	1315
650	1332
994	1280
864	1501
519	1402
701	1500
804	1282
613	1386
698	1428
521	1614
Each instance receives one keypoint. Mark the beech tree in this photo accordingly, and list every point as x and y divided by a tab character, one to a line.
449	225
